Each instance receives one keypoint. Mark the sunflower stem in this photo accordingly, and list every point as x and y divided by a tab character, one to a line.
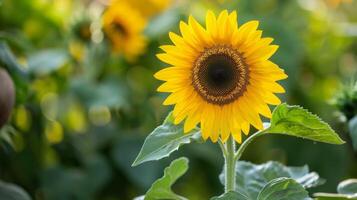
230	163
244	145
223	148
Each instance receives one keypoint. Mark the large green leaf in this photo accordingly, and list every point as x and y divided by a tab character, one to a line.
251	178
12	192
230	196
283	189
352	125
161	189
298	122
164	140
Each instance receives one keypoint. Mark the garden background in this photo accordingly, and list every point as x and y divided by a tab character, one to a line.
83	109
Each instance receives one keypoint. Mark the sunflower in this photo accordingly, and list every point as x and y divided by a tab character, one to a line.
148	8
220	76
124	27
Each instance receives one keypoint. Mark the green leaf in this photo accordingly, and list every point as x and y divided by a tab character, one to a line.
283	189
348	187
251	178
298	122
352	125
164	140
46	61
230	196
12	192
161	189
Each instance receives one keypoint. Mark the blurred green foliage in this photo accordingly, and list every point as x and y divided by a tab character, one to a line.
82	112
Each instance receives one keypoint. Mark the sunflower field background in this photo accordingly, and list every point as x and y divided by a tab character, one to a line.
86	96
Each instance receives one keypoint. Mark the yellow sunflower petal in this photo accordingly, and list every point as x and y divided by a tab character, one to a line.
211	24
237	136
244	31
177	52
172	60
182	109
201	33
262	43
233	20
245	128
268	97
225	129
207	121
263	54
261	107
172	72
171	87
251	116
224	25
192	120
180	43
188	37
268	85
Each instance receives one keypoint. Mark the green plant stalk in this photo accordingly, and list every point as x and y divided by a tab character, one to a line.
231	157
244	145
230	164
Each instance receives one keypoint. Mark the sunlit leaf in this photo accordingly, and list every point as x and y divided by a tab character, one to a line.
298	122
251	178
161	189
283	189
12	192
164	140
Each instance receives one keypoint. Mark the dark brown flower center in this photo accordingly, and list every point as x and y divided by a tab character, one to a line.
120	29
220	75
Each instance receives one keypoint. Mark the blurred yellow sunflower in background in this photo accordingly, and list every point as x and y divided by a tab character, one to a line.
220	76
148	8
124	27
